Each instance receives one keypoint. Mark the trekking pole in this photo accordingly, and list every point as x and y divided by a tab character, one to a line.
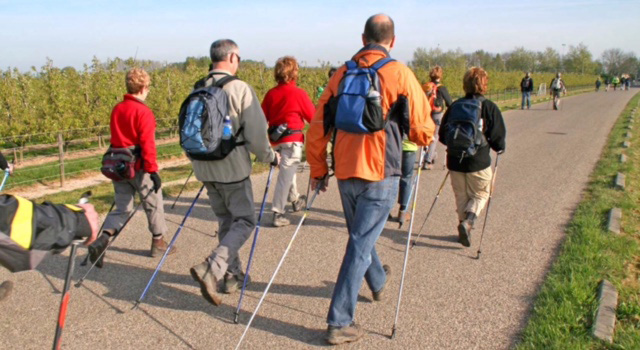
86	259
430	210
173	241
79	283
284	255
406	250
253	245
486	213
64	303
5	178
182	189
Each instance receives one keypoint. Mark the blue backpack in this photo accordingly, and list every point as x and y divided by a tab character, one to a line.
464	128
357	106
202	123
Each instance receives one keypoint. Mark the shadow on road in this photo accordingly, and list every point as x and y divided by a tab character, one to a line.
126	282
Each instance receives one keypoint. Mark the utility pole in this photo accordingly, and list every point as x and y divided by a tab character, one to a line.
562	59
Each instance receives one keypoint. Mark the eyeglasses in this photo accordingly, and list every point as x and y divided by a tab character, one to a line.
238	56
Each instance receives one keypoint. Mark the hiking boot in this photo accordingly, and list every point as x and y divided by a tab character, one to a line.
377	296
280	220
299	203
346	334
159	246
233	282
5	289
204	276
97	248
403	216
464	230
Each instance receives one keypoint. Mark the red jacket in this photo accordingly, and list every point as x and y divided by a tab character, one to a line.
287	103
133	124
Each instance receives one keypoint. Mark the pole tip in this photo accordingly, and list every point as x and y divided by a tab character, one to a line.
478	254
135	306
235	318
78	284
393	333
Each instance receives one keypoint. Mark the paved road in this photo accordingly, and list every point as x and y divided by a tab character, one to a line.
451	301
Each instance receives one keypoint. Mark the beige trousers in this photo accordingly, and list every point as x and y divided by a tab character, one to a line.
286	190
471	191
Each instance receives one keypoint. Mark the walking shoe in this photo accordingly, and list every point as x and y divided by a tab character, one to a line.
464	230
299	203
204	276
346	334
377	296
233	282
403	215
97	248
159	246
280	220
427	166
5	289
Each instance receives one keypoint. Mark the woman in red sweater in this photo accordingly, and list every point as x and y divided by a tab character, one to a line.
286	108
133	126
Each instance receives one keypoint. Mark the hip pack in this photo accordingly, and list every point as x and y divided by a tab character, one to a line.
118	164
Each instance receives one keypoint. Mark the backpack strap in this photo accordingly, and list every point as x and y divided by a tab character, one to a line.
224	80
351	65
381	62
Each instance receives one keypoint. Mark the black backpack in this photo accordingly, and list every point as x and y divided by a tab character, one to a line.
464	128
202	122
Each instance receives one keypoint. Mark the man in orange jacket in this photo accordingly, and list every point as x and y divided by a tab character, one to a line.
367	166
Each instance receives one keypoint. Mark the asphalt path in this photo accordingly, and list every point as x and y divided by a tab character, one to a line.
450	300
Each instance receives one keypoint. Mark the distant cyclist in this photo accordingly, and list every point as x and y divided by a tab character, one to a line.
557	87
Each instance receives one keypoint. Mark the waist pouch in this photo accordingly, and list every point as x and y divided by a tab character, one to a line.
277	132
118	164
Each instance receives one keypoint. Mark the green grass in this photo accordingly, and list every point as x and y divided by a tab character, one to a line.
565	309
74	168
102	197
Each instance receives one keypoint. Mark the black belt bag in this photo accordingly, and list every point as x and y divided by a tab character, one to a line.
277	132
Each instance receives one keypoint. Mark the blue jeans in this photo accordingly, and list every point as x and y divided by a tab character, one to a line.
408	162
526	97
366	207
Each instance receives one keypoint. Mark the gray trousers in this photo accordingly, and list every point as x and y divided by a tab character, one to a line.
234	207
153	205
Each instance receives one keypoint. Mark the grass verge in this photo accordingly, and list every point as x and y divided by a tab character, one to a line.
565	309
102	197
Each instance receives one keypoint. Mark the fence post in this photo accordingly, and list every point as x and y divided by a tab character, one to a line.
61	157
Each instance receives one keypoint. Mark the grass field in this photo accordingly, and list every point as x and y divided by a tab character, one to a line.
567	303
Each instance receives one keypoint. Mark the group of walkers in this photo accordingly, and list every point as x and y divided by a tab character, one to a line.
378	119
557	88
624	81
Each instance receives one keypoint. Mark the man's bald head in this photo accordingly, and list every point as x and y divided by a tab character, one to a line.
379	29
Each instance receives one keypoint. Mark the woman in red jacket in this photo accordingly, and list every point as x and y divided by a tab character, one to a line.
286	108
133	126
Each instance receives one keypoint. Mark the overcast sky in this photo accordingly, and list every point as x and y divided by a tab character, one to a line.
72	32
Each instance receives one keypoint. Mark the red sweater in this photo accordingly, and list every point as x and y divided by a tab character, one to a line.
133	124
287	103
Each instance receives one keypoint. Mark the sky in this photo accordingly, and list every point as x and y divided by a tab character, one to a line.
72	32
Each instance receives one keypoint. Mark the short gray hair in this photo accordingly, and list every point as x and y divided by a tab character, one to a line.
221	48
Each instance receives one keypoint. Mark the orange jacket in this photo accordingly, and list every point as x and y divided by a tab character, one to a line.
374	156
